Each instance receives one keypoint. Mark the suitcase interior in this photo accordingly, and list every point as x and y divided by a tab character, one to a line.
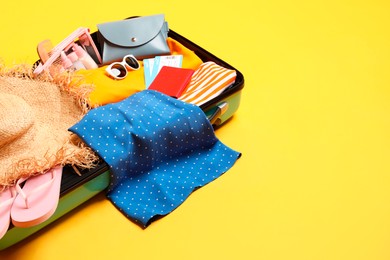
76	189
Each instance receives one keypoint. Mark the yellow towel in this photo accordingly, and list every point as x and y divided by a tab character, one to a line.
108	90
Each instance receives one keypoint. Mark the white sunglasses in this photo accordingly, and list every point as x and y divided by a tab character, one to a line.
118	70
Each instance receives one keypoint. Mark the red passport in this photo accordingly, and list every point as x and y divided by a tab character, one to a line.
172	81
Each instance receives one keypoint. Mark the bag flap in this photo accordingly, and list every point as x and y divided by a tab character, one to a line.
132	32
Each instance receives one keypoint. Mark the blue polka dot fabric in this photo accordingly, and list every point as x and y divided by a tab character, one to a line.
159	150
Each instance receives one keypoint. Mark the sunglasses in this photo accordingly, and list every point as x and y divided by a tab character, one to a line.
118	70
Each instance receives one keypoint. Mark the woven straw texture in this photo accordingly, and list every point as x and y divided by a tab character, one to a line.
34	119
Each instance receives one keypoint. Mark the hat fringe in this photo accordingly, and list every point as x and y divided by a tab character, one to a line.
74	152
78	155
67	81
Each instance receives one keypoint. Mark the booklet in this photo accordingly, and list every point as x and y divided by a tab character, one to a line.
172	81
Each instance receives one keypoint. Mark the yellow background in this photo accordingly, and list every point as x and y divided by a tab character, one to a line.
313	126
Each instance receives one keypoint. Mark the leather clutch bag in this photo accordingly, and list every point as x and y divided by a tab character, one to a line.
143	37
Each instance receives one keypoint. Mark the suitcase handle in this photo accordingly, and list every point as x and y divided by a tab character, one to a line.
215	117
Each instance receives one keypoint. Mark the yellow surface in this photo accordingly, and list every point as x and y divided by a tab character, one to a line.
313	126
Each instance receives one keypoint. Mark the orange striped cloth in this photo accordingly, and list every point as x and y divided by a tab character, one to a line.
207	82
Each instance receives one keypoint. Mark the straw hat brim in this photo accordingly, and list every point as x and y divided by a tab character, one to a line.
47	142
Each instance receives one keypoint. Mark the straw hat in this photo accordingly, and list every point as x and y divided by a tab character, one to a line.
34	120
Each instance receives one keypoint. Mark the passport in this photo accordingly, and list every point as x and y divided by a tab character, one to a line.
172	81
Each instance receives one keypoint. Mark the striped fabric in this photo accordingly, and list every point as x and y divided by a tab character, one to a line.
207	82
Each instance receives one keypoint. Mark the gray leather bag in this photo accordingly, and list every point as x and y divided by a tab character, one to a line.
143	37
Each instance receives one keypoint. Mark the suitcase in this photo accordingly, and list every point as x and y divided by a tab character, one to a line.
77	189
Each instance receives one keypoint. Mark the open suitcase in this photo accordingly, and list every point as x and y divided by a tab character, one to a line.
77	189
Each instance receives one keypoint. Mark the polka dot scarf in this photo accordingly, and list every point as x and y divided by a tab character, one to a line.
159	150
